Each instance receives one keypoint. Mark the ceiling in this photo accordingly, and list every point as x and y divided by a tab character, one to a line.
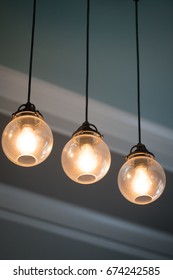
41	206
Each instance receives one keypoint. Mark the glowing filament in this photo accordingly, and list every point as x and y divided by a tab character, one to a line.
141	182
26	141
87	161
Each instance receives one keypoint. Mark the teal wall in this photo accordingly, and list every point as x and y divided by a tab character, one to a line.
59	52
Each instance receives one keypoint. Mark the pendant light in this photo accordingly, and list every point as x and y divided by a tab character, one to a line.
27	140
141	179
86	158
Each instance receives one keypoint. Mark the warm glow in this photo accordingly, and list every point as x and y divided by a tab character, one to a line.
26	142
141	182
141	179
87	160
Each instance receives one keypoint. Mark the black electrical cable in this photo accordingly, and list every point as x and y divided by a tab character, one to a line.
139	148
87	60
86	126
31	52
138	72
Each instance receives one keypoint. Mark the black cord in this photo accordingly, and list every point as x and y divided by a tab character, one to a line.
31	52
138	71
87	60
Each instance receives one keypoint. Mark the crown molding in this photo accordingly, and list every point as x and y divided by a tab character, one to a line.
64	112
83	224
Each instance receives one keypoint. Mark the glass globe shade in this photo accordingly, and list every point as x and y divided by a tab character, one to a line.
27	140
86	158
141	179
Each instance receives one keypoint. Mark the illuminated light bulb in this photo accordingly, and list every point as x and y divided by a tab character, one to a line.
141	179
27	140
86	158
26	143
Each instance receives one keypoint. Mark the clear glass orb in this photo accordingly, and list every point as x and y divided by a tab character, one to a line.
86	158
27	140
141	179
